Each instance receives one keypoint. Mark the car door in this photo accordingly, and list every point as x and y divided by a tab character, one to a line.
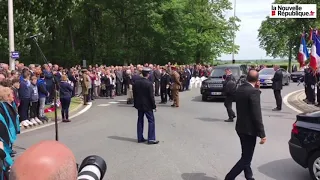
285	76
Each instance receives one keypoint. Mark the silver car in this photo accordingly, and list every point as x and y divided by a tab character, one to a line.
266	75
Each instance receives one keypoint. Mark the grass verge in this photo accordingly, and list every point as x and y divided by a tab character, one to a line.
76	102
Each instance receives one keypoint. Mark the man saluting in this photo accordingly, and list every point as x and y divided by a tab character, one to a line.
145	104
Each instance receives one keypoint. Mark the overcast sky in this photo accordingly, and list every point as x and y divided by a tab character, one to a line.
251	13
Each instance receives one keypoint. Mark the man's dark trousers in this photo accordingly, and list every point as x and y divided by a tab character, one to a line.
156	87
151	128
311	93
248	143
164	94
228	104
277	96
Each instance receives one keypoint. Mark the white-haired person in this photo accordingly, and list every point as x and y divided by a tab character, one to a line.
9	124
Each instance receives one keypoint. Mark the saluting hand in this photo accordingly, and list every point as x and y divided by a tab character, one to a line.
263	140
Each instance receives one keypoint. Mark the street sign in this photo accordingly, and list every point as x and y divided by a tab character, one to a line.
15	55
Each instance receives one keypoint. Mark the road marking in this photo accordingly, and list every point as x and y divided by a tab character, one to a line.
285	101
113	102
52	123
122	100
103	105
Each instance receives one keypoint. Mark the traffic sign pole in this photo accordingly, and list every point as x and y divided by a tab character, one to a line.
11	34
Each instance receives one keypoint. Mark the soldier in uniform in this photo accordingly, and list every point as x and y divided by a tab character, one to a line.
145	104
175	86
310	82
85	86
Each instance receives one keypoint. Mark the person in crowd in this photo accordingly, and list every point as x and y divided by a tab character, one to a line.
109	81
157	78
49	83
65	97
52	158
164	86
24	95
43	94
92	76
34	101
175	87
144	102
97	84
129	85
249	124
9	124
229	89
15	89
85	86
119	80
187	74
277	87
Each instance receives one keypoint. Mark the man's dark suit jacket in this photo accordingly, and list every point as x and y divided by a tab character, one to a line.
277	80
249	117
143	95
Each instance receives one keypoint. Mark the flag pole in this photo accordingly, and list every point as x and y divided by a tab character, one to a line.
234	27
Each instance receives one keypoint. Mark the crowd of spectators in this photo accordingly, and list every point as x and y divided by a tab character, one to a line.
33	86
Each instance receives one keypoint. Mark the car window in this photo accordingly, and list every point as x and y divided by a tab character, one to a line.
219	71
266	71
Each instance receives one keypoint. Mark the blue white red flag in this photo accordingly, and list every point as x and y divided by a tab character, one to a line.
303	54
315	52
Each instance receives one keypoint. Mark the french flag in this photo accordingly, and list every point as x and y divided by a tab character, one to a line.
303	54
315	52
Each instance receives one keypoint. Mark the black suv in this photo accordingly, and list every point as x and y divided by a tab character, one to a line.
213	86
304	144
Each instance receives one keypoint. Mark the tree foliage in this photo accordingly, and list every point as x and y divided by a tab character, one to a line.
120	31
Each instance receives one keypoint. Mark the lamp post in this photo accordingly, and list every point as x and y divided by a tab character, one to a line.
234	27
11	34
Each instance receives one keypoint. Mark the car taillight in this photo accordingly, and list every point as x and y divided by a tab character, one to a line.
295	128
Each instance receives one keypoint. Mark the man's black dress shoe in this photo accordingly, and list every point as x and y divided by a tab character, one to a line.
228	120
153	142
142	141
276	109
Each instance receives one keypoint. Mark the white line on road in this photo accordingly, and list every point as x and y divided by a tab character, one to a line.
52	123
122	100
285	101
103	105
113	102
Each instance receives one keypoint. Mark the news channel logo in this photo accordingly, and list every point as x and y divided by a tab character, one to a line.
293	11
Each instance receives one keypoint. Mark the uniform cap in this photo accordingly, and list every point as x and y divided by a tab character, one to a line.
146	70
84	70
173	68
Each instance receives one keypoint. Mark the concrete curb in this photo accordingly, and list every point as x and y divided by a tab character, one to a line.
295	102
50	123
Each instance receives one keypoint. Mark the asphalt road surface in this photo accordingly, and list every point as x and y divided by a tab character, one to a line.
195	142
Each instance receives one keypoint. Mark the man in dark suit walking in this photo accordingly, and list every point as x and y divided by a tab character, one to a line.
144	102
229	91
249	124
277	87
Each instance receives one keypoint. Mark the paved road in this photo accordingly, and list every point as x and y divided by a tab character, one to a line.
195	143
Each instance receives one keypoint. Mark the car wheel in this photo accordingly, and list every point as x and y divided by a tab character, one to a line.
314	165
288	81
204	98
